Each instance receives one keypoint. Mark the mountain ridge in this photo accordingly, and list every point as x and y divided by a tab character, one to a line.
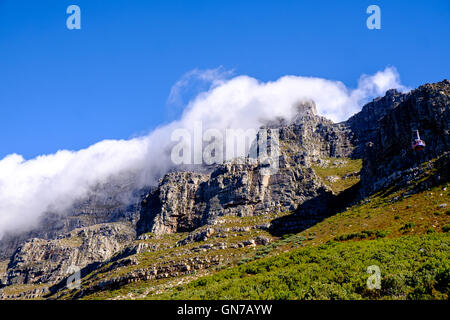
189	204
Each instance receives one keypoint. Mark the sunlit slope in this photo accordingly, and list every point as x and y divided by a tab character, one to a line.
331	263
402	232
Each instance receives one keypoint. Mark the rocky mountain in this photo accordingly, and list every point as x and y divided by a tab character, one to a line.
46	261
106	231
110	202
388	153
184	201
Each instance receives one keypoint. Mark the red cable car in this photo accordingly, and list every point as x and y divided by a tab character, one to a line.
418	144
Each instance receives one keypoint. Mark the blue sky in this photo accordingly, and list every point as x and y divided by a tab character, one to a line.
67	89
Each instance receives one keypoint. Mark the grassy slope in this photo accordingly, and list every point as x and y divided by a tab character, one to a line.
328	260
168	254
347	174
411	267
413	257
391	216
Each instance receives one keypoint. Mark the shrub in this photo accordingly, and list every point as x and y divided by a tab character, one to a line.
361	235
408	225
443	280
394	285
381	233
334	271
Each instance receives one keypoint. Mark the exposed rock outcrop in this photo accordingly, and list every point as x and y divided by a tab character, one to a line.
110	202
184	201
364	125
172	206
49	261
389	152
381	133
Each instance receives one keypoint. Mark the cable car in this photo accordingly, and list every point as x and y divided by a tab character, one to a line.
418	144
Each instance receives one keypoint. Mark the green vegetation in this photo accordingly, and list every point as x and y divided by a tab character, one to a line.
326	261
402	231
72	242
362	235
413	256
229	230
408	226
411	267
345	172
392	215
24	289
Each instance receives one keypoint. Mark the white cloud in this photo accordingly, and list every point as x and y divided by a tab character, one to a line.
28	188
194	82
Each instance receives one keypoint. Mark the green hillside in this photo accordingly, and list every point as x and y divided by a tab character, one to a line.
412	267
414	257
402	231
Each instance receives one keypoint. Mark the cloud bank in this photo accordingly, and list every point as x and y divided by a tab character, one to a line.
29	188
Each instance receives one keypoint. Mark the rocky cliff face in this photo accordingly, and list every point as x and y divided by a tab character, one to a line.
48	261
380	133
111	202
184	201
171	206
364	124
388	151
